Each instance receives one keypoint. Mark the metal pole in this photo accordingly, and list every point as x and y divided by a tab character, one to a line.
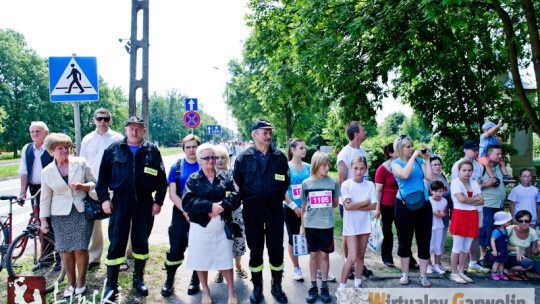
77	120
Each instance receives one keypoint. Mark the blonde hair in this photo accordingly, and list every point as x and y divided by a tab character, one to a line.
359	159
55	139
222	151
400	143
317	160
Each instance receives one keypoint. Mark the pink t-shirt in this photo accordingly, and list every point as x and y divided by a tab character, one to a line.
390	186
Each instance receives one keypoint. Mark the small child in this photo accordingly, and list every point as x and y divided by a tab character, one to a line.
320	195
525	197
488	139
359	198
439	205
498	252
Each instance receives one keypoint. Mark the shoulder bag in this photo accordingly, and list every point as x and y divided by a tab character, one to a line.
415	200
93	210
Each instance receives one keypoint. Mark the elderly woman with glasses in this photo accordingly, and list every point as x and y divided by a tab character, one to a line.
210	196
413	209
522	243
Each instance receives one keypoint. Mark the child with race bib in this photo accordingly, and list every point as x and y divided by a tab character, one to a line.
320	195
359	198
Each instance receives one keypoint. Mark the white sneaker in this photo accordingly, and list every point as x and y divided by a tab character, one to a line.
429	269
438	270
477	268
297	274
69	292
330	278
342	296
361	293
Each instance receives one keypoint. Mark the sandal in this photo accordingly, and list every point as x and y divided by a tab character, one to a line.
242	273
466	278
457	278
218	278
232	301
515	277
124	266
404	280
206	300
441	267
425	282
523	275
389	264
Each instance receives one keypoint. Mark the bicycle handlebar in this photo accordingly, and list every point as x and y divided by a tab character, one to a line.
13	197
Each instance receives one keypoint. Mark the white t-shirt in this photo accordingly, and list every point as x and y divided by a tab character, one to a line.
458	187
478	170
525	198
35	179
438	206
346	155
357	222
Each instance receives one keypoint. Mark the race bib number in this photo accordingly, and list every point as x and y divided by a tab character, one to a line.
296	191
320	199
150	171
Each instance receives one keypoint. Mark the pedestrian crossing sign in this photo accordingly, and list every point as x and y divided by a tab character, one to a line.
73	79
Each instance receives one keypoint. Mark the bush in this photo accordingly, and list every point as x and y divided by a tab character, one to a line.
333	161
374	150
310	150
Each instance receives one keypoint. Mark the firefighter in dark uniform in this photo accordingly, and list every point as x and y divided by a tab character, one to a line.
133	169
178	231
262	174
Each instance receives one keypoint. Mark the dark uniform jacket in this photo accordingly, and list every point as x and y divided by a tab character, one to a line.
199	195
131	175
261	185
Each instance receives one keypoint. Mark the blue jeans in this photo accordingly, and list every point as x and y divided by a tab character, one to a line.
487	227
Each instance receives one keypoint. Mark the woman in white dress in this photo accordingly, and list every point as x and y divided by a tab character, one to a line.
208	205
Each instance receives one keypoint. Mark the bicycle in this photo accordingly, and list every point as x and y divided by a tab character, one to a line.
5	229
33	247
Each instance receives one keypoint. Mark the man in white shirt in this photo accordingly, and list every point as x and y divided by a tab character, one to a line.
92	147
356	134
471	151
34	157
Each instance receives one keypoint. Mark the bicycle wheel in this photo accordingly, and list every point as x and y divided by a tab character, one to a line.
25	252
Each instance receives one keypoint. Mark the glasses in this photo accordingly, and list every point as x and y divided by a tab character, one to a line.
208	158
106	119
524	221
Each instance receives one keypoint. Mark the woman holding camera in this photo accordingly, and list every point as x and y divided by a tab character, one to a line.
413	209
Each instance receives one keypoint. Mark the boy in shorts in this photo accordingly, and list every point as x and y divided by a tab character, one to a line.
320	195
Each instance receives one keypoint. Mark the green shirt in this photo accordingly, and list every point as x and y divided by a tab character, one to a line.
319	194
514	241
494	196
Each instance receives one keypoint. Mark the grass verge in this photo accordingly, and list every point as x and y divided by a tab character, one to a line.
9	170
170	151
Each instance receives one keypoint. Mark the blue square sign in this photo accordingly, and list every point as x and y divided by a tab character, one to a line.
73	79
191	104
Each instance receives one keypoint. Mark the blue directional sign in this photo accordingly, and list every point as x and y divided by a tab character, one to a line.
191	104
73	79
213	129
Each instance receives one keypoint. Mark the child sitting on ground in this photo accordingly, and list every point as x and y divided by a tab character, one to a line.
525	197
439	205
488	139
320	195
498	252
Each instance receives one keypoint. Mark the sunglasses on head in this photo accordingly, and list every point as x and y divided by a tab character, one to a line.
524	221
402	136
106	119
208	158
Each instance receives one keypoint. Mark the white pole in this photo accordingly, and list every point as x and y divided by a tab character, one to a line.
77	119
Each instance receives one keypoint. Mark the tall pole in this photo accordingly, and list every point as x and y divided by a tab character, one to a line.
134	83
77	120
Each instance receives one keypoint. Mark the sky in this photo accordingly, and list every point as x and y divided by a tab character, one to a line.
188	38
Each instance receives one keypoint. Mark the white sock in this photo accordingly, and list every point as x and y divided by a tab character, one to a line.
342	285
357	282
473	262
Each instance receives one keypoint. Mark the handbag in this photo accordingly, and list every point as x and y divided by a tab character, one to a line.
415	200
93	210
233	230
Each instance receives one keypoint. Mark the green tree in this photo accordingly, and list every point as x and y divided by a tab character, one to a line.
392	123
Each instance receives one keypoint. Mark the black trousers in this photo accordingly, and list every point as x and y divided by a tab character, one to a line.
260	222
292	223
178	238
127	214
410	223
387	218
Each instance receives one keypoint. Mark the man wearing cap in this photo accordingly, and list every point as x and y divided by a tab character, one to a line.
262	174
471	150
133	169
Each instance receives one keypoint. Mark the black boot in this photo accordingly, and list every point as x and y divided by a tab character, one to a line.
257	294
168	287
194	284
138	280
277	292
112	284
